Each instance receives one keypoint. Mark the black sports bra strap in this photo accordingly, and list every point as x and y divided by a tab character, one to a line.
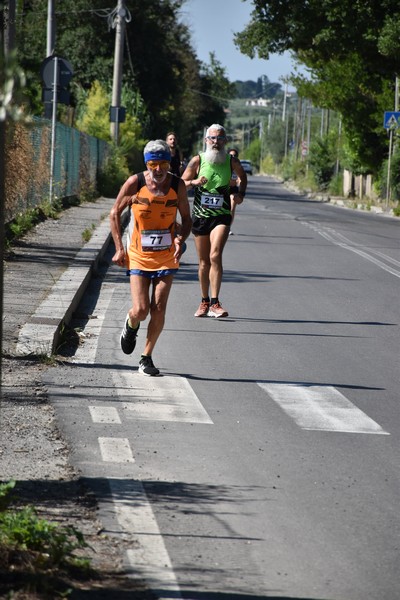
175	183
141	180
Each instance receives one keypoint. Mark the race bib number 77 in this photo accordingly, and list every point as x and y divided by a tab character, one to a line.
156	239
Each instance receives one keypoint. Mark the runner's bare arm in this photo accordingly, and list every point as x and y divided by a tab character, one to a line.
186	221
240	172
184	211
123	200
190	176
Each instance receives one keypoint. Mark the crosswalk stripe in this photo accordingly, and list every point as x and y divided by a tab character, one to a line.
167	398
149	555
104	414
116	450
318	407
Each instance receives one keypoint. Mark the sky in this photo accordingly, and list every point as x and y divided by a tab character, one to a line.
207	19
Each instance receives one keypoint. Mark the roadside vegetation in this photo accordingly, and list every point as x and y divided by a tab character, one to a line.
36	555
351	54
310	128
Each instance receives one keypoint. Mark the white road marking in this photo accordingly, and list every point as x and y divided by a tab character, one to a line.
150	557
321	408
340	240
385	257
167	398
115	450
104	414
86	352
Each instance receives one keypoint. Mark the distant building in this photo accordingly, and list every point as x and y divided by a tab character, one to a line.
258	102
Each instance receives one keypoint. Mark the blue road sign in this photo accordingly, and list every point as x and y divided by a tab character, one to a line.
391	120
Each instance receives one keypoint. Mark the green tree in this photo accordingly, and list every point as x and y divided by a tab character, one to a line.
322	159
159	65
95	120
79	30
275	141
352	52
245	89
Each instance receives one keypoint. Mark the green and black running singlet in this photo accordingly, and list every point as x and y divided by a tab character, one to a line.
212	199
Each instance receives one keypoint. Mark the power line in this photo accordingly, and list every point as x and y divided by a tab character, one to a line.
97	11
209	95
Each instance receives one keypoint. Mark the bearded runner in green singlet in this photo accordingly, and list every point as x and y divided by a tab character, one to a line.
209	173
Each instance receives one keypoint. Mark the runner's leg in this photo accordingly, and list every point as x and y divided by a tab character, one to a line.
140	299
203	247
218	237
158	307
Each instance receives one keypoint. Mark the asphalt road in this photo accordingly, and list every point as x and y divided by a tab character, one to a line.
264	463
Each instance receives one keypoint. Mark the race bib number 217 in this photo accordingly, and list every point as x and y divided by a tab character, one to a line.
210	201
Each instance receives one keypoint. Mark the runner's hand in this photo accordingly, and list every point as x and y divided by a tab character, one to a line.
119	258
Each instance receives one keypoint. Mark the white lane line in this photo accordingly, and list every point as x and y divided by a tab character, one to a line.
104	414
329	234
389	259
89	338
150	556
116	450
167	398
321	408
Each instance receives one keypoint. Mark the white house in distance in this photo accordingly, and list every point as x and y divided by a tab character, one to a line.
258	102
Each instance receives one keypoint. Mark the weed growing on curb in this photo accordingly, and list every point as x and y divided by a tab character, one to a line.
88	232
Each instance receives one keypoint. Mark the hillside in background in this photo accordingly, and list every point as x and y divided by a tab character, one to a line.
255	89
257	104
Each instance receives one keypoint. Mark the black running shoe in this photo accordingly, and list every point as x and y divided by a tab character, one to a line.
128	337
146	367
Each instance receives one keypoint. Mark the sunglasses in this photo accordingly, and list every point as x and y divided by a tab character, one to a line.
154	164
216	137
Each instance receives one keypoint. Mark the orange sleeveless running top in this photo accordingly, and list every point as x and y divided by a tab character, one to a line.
151	228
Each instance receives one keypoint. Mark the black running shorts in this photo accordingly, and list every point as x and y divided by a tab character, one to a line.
204	226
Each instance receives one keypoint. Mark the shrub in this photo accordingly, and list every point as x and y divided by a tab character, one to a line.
113	175
321	162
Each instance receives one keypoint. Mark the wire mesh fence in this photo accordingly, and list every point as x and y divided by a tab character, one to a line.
78	158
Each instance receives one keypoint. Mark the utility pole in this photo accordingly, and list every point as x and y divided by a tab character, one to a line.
284	103
338	147
9	27
286	133
2	185
119	25
50	47
391	133
51	29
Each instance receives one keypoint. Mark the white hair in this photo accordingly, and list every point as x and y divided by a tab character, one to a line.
156	146
216	127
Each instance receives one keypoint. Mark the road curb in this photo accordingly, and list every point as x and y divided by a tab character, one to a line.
42	333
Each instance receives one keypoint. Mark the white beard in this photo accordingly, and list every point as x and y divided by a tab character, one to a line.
215	157
157	182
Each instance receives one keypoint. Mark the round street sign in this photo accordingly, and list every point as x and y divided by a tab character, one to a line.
64	71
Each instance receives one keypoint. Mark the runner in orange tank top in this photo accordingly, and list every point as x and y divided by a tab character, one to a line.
154	248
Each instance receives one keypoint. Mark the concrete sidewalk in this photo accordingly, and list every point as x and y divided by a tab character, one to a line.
46	275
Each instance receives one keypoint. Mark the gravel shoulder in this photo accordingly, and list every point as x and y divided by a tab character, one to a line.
32	449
